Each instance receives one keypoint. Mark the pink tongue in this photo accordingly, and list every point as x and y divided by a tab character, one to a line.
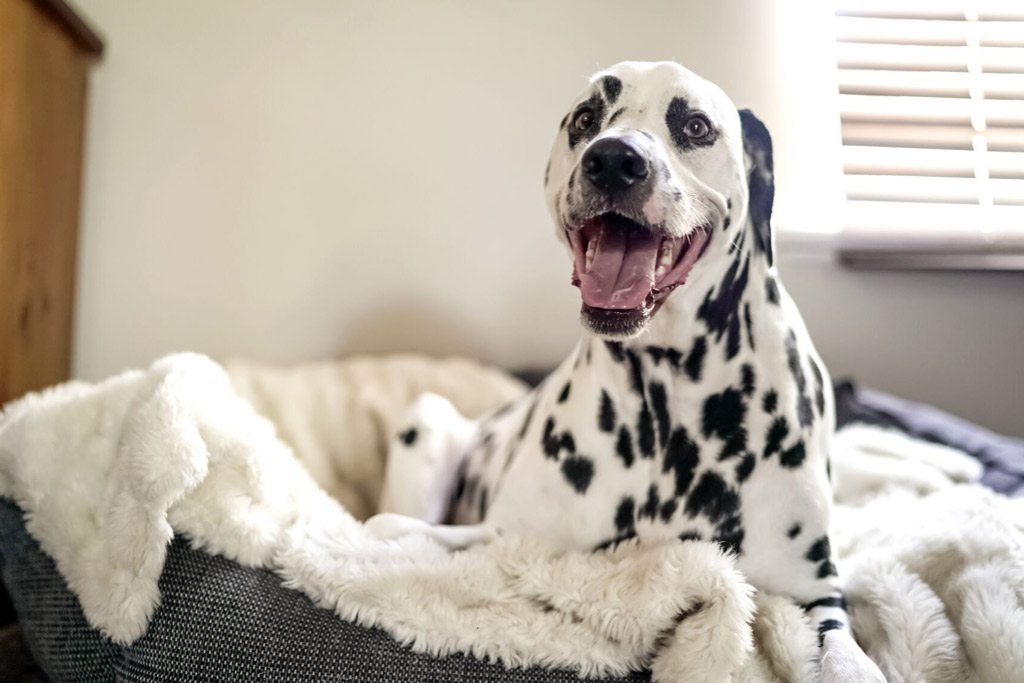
622	273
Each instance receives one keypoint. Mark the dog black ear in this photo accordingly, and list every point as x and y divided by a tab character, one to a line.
757	144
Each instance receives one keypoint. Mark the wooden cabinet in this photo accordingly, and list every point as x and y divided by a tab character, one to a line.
45	53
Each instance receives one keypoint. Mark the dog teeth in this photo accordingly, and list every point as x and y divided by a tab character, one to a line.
665	257
591	252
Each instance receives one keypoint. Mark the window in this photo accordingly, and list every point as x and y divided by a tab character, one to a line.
932	111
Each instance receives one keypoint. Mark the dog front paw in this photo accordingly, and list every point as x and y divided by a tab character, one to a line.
389	526
842	661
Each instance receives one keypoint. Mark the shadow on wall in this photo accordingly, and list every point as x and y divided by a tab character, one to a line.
434	329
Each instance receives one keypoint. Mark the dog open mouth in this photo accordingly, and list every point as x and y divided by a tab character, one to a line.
625	270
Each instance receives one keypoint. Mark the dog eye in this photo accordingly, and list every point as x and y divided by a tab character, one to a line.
697	127
583	120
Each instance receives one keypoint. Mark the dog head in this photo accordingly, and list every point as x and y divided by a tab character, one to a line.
653	179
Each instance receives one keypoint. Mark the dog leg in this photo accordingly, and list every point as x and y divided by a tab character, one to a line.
803	568
388	526
842	659
423	461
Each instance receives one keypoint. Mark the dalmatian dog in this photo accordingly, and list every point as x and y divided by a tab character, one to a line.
694	406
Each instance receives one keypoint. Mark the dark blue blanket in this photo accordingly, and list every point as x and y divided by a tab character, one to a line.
1002	457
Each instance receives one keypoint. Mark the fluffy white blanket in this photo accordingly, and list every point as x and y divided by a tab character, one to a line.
108	472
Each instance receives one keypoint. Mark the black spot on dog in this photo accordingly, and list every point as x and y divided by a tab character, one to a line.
712	498
836	601
624	446
596	105
676	117
681	458
735	444
615	349
729	536
606	413
659	401
612	87
721	312
771	289
674	357
770	401
690	536
745	468
793	361
732	338
678	196
483	502
728	203
794	530
564	395
408	437
694	364
820	550
578	470
819	386
656	353
567	443
616	114
645	432
650	508
750	326
565	120
611	543
723	413
803	411
625	514
757	144
777	433
826	626
636	375
747	379
793	456
826	569
549	442
668	509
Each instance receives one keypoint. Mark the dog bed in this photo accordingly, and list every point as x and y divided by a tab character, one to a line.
188	543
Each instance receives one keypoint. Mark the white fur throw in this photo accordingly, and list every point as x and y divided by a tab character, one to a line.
107	473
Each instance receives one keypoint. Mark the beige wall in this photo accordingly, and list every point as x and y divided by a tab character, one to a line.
294	180
955	340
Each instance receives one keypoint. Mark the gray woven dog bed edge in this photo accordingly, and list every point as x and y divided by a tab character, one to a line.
219	621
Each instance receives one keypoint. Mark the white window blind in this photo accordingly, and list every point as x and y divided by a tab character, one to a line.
932	110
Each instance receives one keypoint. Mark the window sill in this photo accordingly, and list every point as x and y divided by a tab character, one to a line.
894	251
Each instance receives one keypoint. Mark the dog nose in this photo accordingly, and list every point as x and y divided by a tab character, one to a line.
613	165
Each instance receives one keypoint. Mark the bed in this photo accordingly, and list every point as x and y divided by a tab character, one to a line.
219	619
